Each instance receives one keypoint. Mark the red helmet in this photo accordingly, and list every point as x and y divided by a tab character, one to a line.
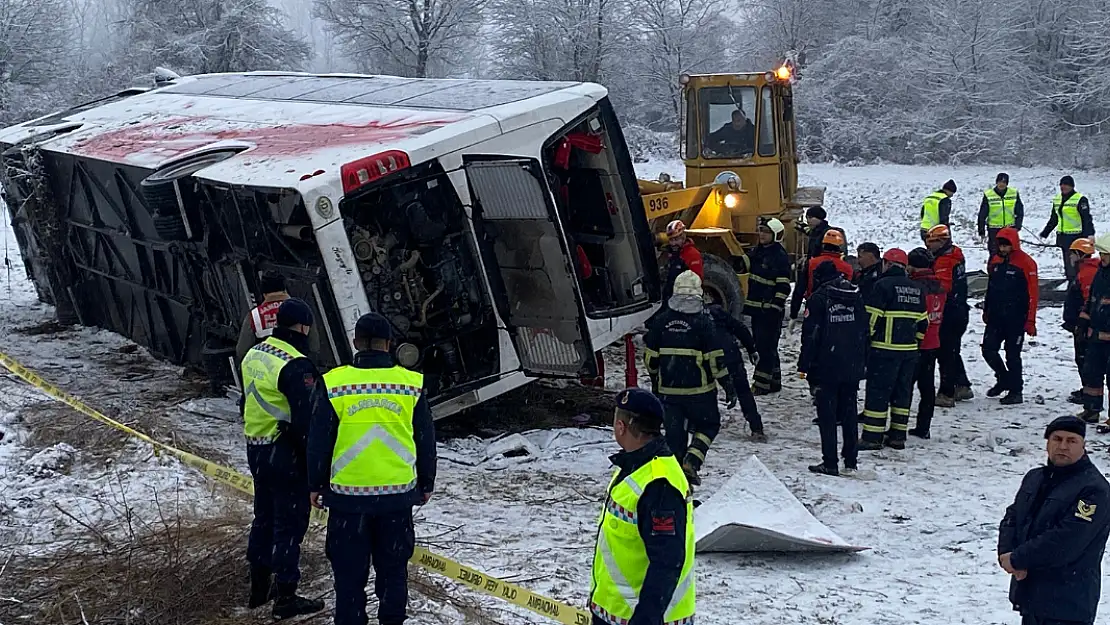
896	256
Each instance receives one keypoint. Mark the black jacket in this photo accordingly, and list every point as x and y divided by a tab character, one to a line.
985	211
834	334
897	309
813	245
768	281
1056	530
684	355
322	443
1084	209
303	387
865	279
729	330
1098	304
666	550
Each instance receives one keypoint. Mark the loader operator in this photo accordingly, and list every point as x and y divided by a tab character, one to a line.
370	461
937	208
283	393
898	323
768	288
1071	218
643	567
685	361
260	322
736	138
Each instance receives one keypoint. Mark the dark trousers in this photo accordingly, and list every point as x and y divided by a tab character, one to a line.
1065	241
280	512
1028	619
1096	368
766	329
357	541
697	418
1080	343
992	247
836	403
744	396
889	391
1008	373
949	359
925	376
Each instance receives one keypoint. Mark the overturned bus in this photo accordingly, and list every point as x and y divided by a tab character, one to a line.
497	224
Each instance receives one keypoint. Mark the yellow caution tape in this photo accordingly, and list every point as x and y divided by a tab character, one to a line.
435	563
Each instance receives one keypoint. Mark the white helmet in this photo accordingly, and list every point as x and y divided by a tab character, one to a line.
776	228
1102	244
687	283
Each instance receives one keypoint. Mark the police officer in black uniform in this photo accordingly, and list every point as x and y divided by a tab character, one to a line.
834	350
1053	536
685	360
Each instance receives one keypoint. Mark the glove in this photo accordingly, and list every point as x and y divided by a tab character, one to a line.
1031	328
753	357
801	375
730	392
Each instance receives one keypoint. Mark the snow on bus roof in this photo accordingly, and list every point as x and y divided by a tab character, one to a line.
288	121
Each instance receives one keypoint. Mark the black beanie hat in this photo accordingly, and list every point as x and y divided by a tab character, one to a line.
1075	425
1067	180
294	311
1003	177
950	186
817	212
271	282
920	258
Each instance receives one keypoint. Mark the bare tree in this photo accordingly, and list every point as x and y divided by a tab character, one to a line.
418	38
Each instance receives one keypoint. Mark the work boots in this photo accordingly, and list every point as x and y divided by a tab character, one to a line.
944	401
997	389
964	393
1076	397
823	469
288	603
260	586
1012	398
1090	415
920	433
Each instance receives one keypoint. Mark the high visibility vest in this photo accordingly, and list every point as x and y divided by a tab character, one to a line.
375	451
620	558
1068	219
930	212
264	406
1001	213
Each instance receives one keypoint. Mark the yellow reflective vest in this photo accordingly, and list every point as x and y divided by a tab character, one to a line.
930	210
620	558
1001	213
375	451
264	406
1068	219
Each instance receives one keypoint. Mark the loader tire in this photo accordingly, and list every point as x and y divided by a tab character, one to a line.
720	281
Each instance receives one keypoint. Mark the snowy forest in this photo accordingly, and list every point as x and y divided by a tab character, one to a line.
911	81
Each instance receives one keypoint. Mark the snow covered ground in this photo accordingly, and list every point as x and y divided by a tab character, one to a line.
930	516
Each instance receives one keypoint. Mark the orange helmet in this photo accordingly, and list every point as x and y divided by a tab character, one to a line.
676	228
833	237
1083	246
939	232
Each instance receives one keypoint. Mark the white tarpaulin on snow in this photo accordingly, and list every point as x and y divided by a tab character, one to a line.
754	511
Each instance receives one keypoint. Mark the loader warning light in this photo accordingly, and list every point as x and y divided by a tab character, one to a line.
362	172
783	72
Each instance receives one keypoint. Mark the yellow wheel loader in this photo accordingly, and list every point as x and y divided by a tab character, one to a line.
738	145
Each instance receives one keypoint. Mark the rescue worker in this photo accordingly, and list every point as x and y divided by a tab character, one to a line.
1096	361
729	330
283	393
685	361
870	268
832	359
768	288
1001	208
937	208
815	228
897	324
260	322
643	568
831	249
1052	538
370	461
1009	312
1076	319
682	256
921	272
951	270
1071	218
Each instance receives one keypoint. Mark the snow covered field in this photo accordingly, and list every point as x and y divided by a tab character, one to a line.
930	516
